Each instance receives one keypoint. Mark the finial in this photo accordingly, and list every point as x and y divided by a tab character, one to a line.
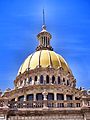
43	17
44	26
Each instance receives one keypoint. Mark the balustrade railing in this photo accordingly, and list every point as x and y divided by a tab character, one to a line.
45	103
25	104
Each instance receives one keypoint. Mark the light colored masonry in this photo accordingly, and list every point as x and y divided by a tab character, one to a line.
45	89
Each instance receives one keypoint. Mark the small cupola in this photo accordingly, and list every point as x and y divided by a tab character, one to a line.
44	37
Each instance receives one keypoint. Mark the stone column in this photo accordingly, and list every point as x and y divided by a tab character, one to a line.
33	82
44	79
55	96
61	80
65	98
25	97
38	80
73	97
16	99
56	80
34	97
50	79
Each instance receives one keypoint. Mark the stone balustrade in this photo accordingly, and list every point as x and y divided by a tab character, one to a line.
45	103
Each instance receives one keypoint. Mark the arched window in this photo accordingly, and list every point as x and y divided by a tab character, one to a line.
59	80
21	98
29	97
63	79
53	79
39	96
47	79
67	82
69	97
35	78
30	80
60	96
44	40
41	79
50	96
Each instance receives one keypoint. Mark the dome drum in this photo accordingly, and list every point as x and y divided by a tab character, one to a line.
60	78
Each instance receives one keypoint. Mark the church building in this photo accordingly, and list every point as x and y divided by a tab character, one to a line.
45	88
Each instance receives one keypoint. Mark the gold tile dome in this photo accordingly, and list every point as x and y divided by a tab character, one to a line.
44	59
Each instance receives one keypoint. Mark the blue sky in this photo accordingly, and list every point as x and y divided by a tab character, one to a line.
67	20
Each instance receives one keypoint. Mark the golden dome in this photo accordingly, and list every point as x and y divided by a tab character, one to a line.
44	59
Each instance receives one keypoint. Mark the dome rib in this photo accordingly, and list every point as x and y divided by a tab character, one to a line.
50	59
40	58
30	60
